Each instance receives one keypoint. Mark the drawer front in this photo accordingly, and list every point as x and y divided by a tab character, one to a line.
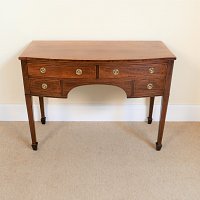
149	87
45	87
61	70
132	71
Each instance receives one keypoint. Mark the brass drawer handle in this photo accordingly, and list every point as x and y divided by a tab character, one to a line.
44	86
79	72
43	70
150	86
151	70
115	72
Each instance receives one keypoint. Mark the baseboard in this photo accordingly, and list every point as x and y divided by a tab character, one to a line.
100	112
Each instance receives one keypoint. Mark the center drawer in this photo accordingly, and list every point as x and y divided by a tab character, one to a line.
61	70
132	71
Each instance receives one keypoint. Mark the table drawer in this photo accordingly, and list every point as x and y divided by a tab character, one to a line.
61	70
149	87
45	87
132	71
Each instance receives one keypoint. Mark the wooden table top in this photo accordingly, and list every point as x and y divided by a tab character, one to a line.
97	50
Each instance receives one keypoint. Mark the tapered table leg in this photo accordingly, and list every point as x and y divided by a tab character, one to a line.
43	118
163	113
151	110
29	105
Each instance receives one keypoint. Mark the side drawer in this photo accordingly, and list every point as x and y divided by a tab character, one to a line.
149	87
132	71
45	87
60	70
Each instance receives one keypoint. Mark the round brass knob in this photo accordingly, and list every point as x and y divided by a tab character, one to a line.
150	86
115	72
43	70
151	70
44	86
79	72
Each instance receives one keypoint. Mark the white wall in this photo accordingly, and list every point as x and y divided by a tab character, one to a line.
176	22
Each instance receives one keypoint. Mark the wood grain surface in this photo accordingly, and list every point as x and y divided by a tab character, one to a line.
97	50
54	68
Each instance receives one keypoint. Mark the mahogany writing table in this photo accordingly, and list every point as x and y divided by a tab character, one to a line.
140	68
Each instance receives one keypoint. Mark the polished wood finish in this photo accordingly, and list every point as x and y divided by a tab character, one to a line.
29	104
165	99
54	68
141	87
151	104
58	70
43	118
53	87
136	71
97	50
